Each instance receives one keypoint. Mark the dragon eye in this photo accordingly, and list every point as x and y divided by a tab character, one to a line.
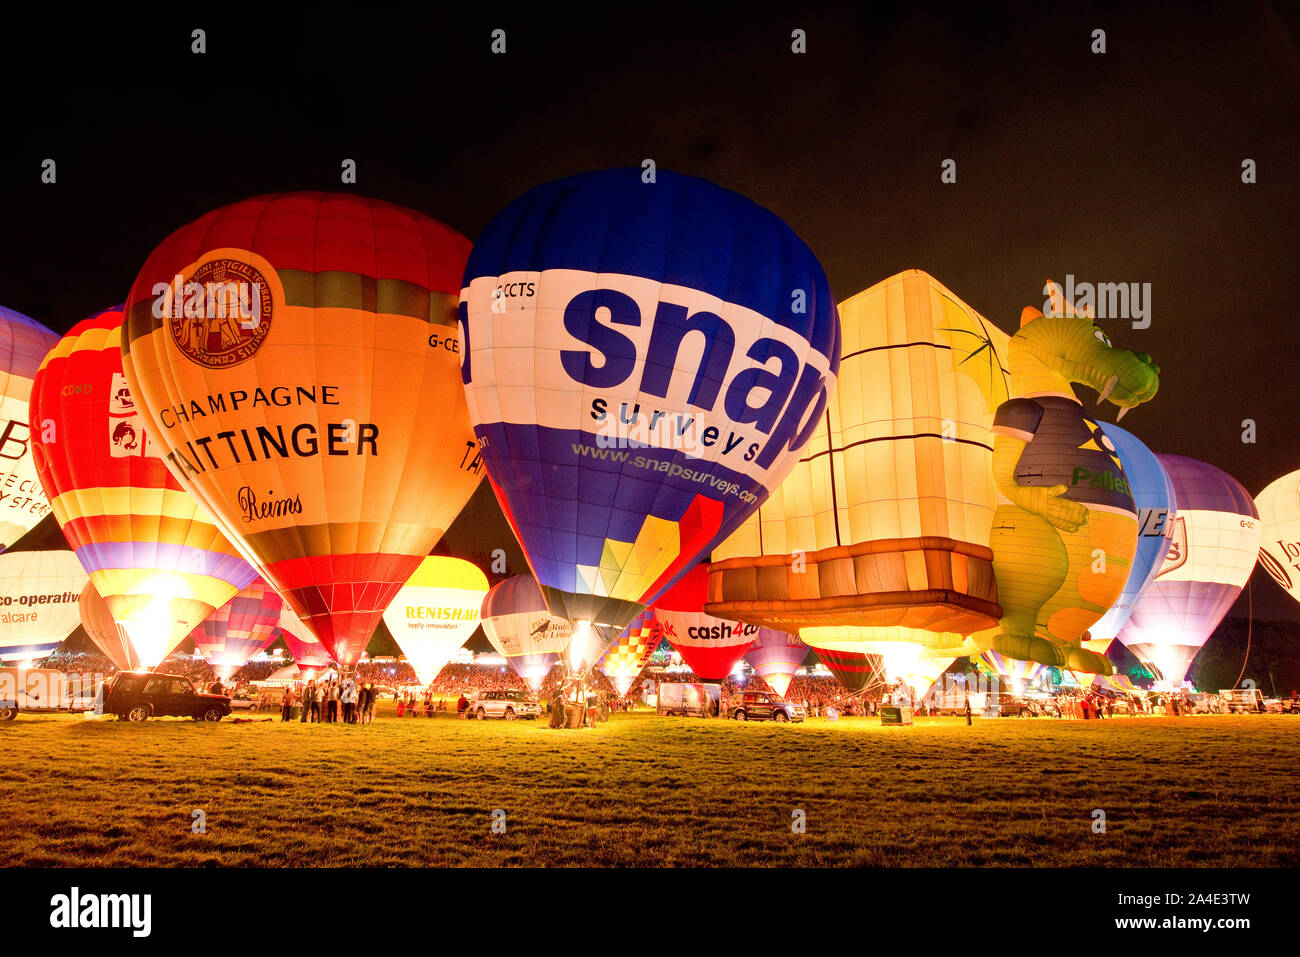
1101	336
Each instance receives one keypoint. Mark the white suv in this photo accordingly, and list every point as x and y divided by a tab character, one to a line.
502	704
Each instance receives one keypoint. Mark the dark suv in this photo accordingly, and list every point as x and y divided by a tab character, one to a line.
763	705
137	695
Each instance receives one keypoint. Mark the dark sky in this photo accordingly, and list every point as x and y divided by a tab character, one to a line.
1122	167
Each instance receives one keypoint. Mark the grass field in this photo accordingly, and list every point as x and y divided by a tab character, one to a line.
641	790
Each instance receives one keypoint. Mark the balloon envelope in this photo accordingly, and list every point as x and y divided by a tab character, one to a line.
1020	673
854	670
1153	493
520	627
776	656
108	636
23	344
1279	516
239	629
644	363
885	521
308	654
436	612
1214	546
39	602
153	552
627	657
300	373
710	646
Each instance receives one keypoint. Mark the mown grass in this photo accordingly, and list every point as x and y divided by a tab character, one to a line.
641	790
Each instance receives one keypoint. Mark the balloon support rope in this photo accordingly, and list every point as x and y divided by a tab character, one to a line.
1250	623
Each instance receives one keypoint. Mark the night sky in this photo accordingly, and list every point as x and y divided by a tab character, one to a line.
1121	167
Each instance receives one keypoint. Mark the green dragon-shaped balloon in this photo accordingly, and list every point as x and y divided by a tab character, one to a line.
1065	530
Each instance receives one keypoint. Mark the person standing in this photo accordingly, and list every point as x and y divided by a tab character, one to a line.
349	697
968	716
332	702
286	704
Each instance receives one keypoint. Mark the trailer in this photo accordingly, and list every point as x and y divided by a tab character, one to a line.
46	691
681	698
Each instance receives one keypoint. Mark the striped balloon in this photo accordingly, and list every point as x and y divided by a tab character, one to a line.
23	344
854	670
776	656
109	637
239	629
625	659
152	551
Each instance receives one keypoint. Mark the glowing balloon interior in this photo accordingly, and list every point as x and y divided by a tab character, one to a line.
436	612
40	596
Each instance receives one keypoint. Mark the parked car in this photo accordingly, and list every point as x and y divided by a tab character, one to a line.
138	695
764	706
502	704
245	701
1021	705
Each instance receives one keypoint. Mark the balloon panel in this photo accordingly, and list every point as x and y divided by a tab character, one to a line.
39	602
153	552
436	612
300	373
886	518
626	658
643	364
23	344
1153	493
1279	515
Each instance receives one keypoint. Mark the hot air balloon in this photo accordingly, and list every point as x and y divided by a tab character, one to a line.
1215	542
39	593
776	656
710	646
436	612
296	358
308	654
522	630
239	629
109	637
1279	516
153	552
1020	674
23	344
1154	497
627	657
885	521
644	362
855	671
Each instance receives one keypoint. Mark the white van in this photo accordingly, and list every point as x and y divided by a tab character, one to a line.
45	690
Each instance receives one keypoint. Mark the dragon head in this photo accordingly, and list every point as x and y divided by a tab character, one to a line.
1052	351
